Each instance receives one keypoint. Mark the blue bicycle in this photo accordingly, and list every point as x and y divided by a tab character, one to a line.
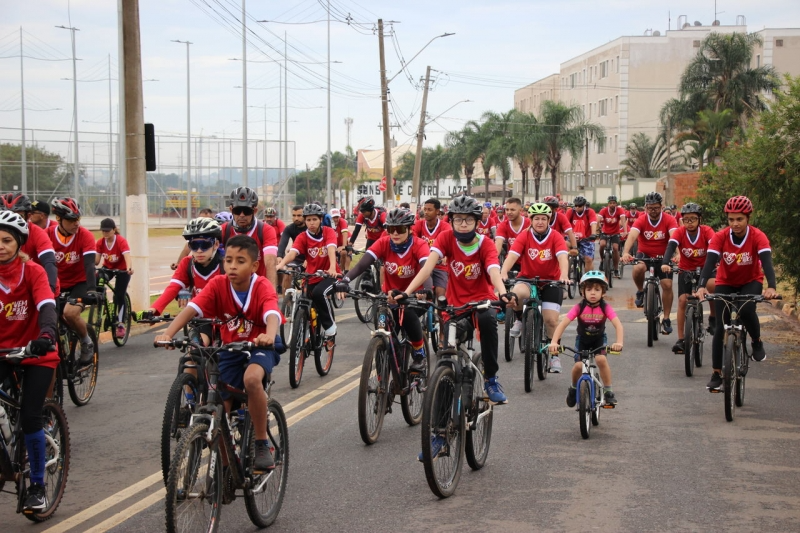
589	389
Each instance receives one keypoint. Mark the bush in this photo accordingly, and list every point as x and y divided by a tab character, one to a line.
639	201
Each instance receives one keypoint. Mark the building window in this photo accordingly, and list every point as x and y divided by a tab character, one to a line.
601	146
758	60
617	63
584	75
616	104
616	143
602	108
604	69
778	42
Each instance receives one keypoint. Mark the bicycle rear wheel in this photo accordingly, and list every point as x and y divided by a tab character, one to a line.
741	373
572	288
509	340
443	428
699	335
323	357
337	301
57	454
177	415
585	408
264	500
411	401
126	321
608	266
479	434
58	385
729	366
650	313
81	383
298	348
530	332
286	311
373	390
194	486
365	308
689	341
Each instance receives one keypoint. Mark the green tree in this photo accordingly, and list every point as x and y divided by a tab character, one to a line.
502	145
531	149
46	171
643	157
463	147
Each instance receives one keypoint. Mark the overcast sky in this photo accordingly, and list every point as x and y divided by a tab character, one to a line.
498	46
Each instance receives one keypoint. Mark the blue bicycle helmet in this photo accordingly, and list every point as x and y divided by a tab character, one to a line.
594	275
223	217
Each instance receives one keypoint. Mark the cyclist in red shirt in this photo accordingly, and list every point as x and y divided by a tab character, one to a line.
584	224
38	246
652	232
428	228
271	219
613	220
339	225
75	250
39	214
29	319
559	223
743	257
112	249
371	217
487	224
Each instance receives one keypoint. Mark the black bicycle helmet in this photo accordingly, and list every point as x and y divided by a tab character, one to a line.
552	201
579	201
243	197
612	198
313	210
465	205
653	198
15	225
692	208
367	205
400	217
17	202
202	227
66	208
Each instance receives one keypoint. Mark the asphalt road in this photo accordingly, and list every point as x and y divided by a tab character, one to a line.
664	459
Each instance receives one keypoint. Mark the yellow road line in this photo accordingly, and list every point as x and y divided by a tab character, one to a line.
125	514
316	392
313	408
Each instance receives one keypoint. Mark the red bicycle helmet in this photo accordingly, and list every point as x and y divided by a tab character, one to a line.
739	204
66	208
17	202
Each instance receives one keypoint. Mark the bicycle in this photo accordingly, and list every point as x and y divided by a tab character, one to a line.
369	281
735	359
694	332
455	402
607	260
510	344
104	315
589	389
198	482
14	465
306	331
652	296
386	371
575	270
81	381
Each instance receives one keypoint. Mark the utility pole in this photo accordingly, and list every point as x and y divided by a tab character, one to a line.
387	145
136	200
420	135
22	108
110	137
285	106
328	196
76	169
122	171
244	95
188	135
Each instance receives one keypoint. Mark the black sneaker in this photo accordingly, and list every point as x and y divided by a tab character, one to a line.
712	324
36	499
571	396
678	347
264	460
715	383
758	351
87	355
666	326
418	363
639	299
609	398
617	275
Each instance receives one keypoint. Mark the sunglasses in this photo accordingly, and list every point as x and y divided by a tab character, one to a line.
200	245
691	220
400	230
246	211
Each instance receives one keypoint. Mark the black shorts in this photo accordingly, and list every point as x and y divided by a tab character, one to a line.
657	267
613	238
684	283
76	291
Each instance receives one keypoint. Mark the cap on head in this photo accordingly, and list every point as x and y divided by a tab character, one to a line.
107	224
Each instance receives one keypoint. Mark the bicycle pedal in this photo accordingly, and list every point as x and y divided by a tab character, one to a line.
714	391
607	406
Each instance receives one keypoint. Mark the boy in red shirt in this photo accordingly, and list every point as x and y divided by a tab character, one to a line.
372	218
428	228
249	305
339	225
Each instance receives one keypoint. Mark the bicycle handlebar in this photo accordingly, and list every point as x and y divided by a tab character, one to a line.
91	298
111	270
735	297
583	353
244	346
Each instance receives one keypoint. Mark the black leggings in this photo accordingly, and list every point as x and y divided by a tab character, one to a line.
35	384
322	303
487	325
120	289
747	314
411	324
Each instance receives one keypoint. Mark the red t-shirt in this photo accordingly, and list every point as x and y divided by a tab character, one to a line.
739	264
632	216
112	255
20	302
315	250
582	224
653	238
420	229
244	321
183	279
278	227
693	253
539	258
38	243
611	220
509	234
468	280
485	228
69	255
269	246
560	223
340	227
51	223
400	269
374	225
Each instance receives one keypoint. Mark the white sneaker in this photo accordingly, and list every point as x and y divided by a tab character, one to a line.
555	364
516	329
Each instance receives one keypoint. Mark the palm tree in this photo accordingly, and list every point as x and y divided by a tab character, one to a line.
531	149
564	129
462	147
502	146
442	164
645	158
707	134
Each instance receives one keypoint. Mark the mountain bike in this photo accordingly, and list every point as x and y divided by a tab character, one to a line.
607	260
386	371
81	381
14	467
199	481
369	281
735	359
589	389
575	270
306	331
455	403
104	315
694	332
511	343
652	296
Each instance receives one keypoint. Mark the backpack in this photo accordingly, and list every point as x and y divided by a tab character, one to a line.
227	234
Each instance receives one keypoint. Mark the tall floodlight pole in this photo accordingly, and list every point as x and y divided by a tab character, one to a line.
110	133
76	169
22	109
188	136
285	105
244	96
328	196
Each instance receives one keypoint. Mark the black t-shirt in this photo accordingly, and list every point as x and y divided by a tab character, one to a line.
290	232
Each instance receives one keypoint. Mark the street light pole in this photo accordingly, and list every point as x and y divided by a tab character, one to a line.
188	135
22	108
244	95
76	169
328	197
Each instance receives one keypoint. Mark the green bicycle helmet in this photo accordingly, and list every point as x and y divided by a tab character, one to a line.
594	275
539	209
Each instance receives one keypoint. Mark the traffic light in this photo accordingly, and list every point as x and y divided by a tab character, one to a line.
150	147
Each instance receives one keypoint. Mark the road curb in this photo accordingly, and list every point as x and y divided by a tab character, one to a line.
136	329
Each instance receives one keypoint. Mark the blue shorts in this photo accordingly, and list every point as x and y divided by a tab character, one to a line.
588	342
586	249
233	364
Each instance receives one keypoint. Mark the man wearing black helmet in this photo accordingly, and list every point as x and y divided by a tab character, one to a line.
613	222
373	218
584	224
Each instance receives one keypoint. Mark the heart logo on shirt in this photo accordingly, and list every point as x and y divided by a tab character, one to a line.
648	235
458	267
533	253
313	252
729	258
391	268
688	252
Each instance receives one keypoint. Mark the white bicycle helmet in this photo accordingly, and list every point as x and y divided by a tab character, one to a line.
15	225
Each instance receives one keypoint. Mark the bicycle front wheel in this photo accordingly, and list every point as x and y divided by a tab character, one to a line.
411	401
608	266
373	391
125	321
57	454
286	311
443	431
298	348
585	408
650	311
689	341
509	340
572	288
264	500
177	415
479	434
729	365
741	373
699	334
365	308
82	382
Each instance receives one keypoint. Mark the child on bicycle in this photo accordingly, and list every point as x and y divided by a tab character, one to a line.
29	318
195	271
249	306
112	249
592	313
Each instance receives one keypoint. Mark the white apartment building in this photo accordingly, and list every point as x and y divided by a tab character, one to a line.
622	86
